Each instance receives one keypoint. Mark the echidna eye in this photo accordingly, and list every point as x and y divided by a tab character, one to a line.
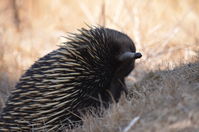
132	48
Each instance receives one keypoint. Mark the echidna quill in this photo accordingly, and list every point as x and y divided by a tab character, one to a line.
87	71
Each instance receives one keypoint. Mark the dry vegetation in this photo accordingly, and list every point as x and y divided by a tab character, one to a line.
164	87
163	101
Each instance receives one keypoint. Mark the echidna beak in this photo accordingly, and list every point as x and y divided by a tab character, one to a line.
138	55
130	56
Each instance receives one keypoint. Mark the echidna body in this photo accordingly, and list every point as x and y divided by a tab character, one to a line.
87	71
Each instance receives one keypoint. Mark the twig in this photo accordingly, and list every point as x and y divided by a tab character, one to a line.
131	124
102	17
15	14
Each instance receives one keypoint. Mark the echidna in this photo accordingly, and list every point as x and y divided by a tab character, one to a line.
87	71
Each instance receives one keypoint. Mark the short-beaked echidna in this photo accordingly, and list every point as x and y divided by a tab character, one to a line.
87	71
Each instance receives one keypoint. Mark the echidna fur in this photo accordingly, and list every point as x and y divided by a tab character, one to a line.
87	71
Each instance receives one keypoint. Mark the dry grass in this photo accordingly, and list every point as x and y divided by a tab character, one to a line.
164	84
165	101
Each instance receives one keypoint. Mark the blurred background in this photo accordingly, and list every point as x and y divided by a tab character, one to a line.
166	32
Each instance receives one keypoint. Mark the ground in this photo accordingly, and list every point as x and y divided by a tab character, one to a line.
164	100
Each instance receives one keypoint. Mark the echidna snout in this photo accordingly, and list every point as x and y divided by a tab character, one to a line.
86	72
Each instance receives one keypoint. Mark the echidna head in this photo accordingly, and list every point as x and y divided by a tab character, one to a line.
124	55
123	51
